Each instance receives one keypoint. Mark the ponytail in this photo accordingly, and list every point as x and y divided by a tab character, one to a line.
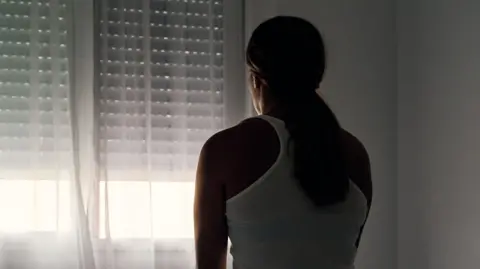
319	165
287	55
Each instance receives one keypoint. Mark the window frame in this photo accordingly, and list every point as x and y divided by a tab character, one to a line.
85	52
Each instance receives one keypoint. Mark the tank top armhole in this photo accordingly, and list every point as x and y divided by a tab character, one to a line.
282	137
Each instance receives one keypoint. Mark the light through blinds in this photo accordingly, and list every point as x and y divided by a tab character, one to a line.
35	130
161	84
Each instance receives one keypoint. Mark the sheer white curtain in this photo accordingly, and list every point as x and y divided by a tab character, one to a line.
104	106
37	205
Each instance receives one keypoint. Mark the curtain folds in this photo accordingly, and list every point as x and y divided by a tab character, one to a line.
104	107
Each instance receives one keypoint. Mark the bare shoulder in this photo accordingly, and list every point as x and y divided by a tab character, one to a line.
239	155
358	163
243	136
354	146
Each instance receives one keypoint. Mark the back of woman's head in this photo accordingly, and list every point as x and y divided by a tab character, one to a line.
286	55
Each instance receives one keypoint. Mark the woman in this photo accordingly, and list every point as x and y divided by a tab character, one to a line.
290	187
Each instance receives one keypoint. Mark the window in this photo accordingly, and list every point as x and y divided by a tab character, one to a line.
104	107
109	110
161	97
35	134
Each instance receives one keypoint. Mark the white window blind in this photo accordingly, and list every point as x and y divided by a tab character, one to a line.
162	85
104	106
160	70
35	130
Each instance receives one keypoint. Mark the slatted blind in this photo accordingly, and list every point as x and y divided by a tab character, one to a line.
161	93
34	89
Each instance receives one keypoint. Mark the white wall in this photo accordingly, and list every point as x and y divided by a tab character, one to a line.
439	138
360	85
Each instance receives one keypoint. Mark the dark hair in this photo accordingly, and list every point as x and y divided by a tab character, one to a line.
287	55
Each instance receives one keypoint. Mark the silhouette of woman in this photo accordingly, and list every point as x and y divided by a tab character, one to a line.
290	187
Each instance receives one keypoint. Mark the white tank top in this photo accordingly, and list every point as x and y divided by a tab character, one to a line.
273	225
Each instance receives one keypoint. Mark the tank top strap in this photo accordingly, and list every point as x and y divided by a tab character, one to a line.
279	127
